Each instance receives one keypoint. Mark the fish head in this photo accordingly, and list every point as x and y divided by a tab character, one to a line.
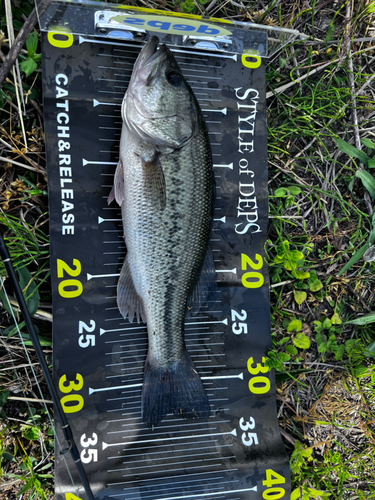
159	105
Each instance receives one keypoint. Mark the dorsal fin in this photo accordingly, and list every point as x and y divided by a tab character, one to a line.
205	287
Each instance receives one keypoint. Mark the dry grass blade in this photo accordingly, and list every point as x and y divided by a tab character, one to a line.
287	86
21	38
40	314
321	89
17	76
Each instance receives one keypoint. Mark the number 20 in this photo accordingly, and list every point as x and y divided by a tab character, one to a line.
256	277
63	266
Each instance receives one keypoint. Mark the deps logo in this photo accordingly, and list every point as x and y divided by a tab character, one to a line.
175	26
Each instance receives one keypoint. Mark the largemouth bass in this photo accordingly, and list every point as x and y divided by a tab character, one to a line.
164	185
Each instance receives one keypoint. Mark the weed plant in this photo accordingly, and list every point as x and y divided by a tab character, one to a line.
321	147
321	193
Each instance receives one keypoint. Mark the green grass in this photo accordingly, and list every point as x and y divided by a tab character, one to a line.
332	453
320	217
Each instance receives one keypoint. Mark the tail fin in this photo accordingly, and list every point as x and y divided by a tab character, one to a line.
175	388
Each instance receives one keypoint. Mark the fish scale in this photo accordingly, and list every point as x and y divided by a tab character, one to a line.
164	183
167	315
166	248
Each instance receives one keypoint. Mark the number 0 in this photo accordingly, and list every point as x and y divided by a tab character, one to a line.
70	294
64	41
257	277
77	401
273	494
251	60
265	385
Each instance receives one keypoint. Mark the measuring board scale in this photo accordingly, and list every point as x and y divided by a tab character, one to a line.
99	356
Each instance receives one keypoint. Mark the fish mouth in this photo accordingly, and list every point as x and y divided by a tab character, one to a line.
146	68
148	63
150	52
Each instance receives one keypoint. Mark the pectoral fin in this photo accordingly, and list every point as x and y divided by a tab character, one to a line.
128	301
154	182
118	190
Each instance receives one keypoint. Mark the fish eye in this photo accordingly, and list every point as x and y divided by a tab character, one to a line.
174	78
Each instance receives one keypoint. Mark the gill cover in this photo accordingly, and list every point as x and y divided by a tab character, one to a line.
159	105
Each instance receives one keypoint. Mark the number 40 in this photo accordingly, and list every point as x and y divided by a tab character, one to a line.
273	493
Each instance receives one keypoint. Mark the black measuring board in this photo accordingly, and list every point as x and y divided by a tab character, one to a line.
98	356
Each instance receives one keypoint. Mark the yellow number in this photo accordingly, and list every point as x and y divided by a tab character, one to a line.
77	285
253	62
258	368
269	481
73	386
252	275
63	266
77	399
252	284
70	496
70	294
264	381
265	387
246	261
65	43
273	494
